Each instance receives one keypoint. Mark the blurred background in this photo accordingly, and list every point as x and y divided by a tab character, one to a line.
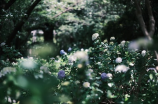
50	25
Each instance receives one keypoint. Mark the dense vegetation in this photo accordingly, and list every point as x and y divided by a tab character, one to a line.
78	52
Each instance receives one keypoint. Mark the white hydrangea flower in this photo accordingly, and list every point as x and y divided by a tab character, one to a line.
111	43
71	59
7	70
110	84
123	43
2	44
143	53
90	70
86	50
99	63
9	100
121	68
112	38
81	56
44	68
105	41
109	75
118	60
28	63
86	84
95	36
131	64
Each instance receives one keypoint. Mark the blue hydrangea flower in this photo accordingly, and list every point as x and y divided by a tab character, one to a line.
104	76
61	74
69	49
62	52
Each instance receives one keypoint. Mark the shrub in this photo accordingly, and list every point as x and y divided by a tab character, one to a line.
107	73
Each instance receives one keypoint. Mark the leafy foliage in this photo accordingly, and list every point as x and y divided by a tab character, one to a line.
129	76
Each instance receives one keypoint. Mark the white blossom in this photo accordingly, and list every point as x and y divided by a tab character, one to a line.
9	100
111	43
109	75
7	70
95	36
71	59
44	68
90	70
2	44
112	38
131	64
121	68
118	60
86	50
143	53
123	43
99	63
81	56
86	84
28	63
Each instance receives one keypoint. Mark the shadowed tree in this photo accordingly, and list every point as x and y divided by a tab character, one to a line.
21	23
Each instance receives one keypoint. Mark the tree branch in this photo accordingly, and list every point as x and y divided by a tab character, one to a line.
21	23
151	18
141	20
68	9
62	12
9	4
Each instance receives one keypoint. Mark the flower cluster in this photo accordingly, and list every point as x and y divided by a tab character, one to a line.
7	70
62	52
2	44
86	84
123	43
61	74
118	60
121	68
112	38
81	56
95	36
143	53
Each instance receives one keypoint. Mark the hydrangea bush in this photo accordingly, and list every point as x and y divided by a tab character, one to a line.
106	73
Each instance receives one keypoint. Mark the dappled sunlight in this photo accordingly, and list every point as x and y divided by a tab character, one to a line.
78	52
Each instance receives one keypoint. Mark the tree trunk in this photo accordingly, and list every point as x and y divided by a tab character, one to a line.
48	33
21	23
139	15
